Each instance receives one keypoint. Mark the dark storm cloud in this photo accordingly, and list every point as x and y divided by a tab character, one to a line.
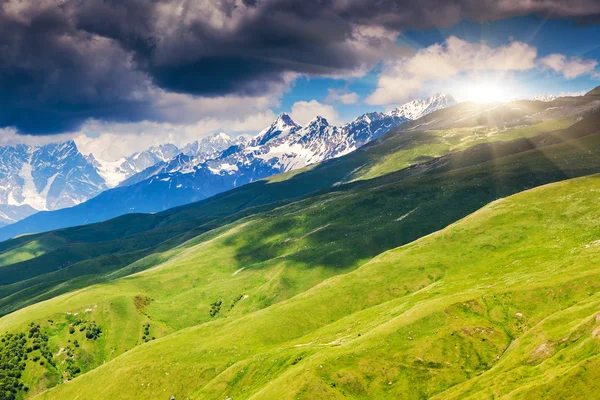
64	61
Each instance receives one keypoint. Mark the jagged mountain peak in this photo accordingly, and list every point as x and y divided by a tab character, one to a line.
93	161
47	177
164	151
281	127
61	148
284	120
417	108
222	136
318	121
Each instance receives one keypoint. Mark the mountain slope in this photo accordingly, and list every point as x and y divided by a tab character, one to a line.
443	315
11	214
115	172
47	177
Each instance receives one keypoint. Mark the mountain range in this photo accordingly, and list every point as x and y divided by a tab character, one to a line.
165	176
58	175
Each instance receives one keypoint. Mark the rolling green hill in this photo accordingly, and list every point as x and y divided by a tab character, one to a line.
503	303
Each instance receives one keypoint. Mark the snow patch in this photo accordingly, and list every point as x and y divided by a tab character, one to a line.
30	193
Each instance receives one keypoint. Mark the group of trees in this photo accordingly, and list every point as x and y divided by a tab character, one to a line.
146	337
13	356
92	330
215	308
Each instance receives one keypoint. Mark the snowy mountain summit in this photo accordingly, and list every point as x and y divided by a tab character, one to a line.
282	127
282	146
210	145
421	107
44	178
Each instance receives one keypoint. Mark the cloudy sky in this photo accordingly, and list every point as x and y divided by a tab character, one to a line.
121	75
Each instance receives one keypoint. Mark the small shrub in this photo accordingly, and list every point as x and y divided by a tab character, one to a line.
215	308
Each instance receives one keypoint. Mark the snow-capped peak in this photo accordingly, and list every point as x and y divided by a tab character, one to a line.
210	145
221	136
281	127
544	97
47	177
284	121
164	152
318	121
421	107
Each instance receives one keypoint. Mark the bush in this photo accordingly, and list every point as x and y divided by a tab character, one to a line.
215	308
71	330
93	332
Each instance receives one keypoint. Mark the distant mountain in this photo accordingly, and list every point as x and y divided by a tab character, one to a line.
281	147
55	176
285	145
50	177
115	172
211	145
11	214
192	154
545	97
421	107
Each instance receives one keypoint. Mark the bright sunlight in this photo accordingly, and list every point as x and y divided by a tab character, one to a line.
489	91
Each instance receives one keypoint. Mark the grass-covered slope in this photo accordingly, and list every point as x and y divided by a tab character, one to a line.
274	255
432	194
503	303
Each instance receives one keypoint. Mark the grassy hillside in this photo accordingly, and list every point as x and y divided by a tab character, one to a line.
32	249
93	253
501	303
279	253
417	147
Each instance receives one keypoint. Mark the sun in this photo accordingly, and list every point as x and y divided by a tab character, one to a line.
489	91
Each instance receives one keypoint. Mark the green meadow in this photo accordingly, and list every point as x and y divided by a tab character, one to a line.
502	303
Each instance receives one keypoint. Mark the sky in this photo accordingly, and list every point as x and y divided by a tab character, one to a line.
122	75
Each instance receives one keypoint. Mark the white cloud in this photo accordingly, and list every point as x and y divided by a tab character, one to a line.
404	77
304	111
112	141
341	96
9	137
185	119
570	68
